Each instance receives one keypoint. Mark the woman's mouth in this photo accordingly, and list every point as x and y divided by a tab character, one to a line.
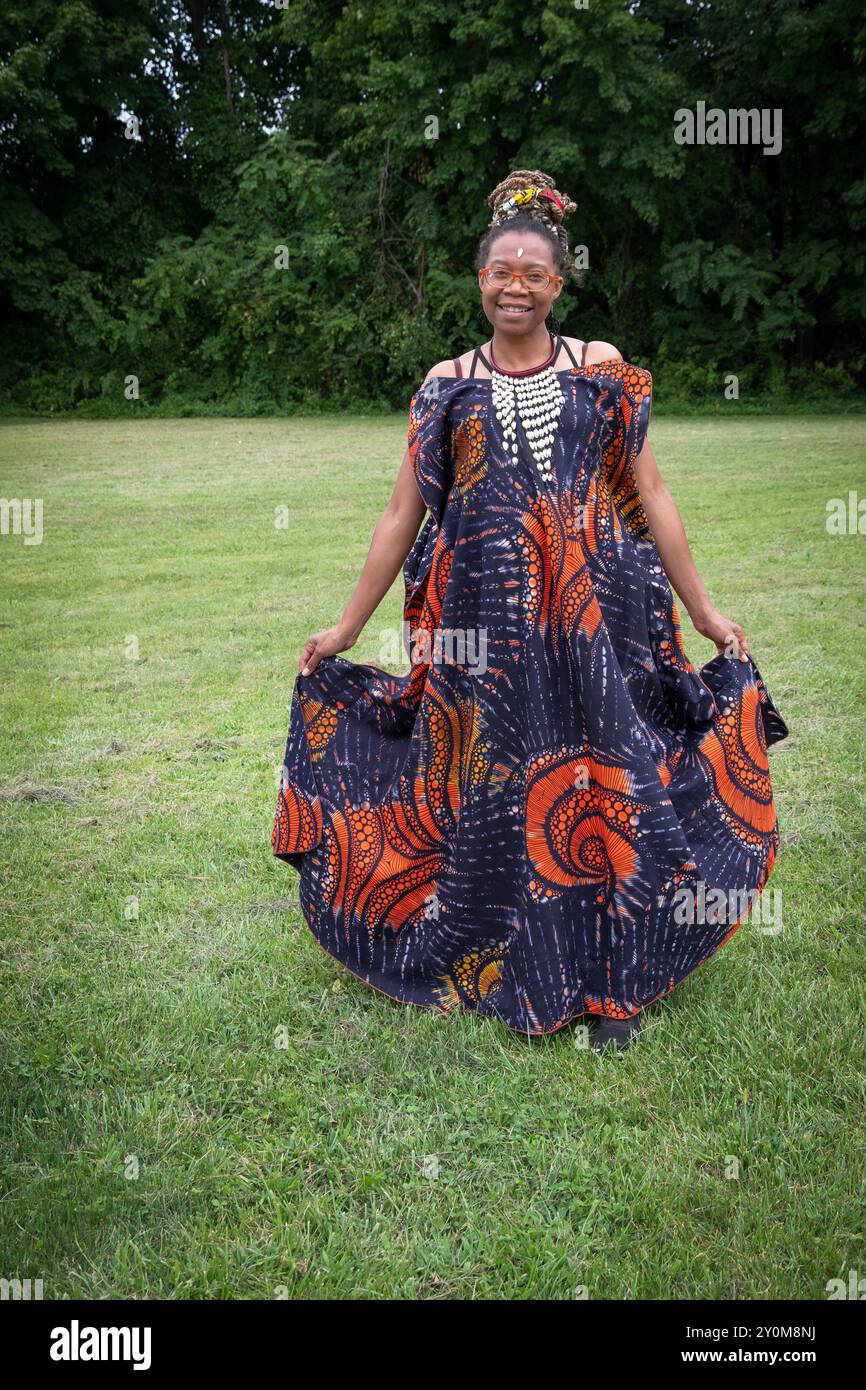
513	309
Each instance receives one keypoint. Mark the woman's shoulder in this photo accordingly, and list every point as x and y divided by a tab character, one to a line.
635	381
425	402
446	368
597	351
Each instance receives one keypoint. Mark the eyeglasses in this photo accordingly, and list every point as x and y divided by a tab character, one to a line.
500	278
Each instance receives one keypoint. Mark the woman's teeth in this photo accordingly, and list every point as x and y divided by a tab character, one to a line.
510	309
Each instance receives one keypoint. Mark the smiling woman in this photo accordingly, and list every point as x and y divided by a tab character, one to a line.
532	837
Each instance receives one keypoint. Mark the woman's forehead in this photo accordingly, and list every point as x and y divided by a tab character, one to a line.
521	248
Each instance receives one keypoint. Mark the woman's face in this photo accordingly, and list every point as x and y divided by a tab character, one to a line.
521	252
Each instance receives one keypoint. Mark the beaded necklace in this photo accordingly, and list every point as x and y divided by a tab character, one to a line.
534	399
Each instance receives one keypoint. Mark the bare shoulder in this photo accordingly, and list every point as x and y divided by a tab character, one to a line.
441	369
598	351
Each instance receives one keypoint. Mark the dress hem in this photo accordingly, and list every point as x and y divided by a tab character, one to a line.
558	1027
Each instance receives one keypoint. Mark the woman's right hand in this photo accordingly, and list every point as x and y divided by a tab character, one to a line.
325	643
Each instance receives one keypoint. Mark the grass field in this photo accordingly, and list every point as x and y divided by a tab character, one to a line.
156	1142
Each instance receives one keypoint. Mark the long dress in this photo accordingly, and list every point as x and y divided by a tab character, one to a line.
553	813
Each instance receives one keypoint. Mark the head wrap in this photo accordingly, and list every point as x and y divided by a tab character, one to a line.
523	201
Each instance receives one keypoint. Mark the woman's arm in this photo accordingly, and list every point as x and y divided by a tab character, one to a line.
393	538
673	547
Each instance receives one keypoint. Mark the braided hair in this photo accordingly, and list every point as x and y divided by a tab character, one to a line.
529	201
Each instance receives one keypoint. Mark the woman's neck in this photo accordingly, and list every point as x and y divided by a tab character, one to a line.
533	350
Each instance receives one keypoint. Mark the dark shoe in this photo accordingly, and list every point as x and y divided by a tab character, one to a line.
616	1031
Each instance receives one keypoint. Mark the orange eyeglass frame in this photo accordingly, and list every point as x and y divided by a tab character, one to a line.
518	275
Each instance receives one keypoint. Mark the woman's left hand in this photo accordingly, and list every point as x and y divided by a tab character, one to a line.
729	637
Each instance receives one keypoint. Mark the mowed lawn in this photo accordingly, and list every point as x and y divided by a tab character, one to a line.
199	1102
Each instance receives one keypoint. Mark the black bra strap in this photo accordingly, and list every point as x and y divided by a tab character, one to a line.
564	344
475	356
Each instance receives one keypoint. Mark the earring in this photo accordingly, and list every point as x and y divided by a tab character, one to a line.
552	322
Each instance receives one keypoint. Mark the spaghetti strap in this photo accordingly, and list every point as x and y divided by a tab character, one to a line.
475	356
458	368
561	343
583	355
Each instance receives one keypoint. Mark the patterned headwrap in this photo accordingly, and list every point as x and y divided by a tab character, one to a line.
522	201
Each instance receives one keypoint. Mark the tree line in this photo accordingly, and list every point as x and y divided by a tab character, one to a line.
247	207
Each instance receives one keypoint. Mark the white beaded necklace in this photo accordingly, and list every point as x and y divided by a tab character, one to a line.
536	401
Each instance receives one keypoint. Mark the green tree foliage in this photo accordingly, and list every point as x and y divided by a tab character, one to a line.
257	206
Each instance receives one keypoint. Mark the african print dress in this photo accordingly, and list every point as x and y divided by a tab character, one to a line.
553	813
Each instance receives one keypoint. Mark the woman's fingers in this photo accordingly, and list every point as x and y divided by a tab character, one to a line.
309	660
736	642
730	638
325	643
742	642
733	642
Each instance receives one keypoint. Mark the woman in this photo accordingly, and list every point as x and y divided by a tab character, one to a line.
531	823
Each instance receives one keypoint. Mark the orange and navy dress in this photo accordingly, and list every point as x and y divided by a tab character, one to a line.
531	822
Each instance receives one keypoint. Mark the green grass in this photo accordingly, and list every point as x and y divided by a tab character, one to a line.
305	1168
